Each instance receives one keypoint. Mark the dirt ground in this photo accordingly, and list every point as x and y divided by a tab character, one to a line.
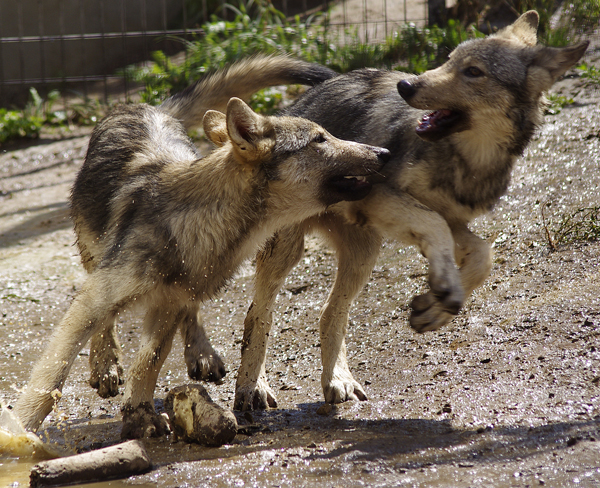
507	395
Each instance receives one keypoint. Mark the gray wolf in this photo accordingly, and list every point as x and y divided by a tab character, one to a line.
454	134
159	227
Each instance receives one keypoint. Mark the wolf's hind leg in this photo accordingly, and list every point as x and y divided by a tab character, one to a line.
92	310
358	249
203	362
106	361
274	263
139	418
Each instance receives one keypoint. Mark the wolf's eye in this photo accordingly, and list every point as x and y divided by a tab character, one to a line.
473	72
320	139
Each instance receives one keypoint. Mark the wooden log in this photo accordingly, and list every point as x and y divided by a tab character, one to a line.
118	461
196	418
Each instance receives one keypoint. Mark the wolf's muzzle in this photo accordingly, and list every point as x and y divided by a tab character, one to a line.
406	89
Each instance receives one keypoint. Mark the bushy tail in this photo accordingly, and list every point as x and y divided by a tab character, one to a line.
241	79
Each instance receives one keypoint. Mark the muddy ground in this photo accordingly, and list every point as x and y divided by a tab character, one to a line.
507	395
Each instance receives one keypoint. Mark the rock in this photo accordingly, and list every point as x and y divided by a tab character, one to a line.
196	418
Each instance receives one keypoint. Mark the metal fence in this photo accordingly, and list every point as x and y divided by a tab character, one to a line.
77	46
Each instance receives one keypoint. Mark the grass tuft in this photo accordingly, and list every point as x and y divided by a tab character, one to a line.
581	225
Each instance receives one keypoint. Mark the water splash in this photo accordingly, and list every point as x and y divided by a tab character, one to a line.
15	441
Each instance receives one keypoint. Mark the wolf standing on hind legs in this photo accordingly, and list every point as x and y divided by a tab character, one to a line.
161	228
454	133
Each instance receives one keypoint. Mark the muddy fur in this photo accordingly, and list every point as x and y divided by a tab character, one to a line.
159	227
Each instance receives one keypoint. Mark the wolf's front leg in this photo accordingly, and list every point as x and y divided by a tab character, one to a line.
474	258
87	315
139	417
106	359
357	248
203	362
274	263
399	216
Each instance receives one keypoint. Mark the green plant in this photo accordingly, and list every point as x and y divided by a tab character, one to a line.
421	49
15	124
590	74
556	103
583	224
577	17
582	14
266	101
87	111
268	31
27	123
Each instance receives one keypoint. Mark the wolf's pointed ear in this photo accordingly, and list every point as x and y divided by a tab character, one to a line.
558	60
243	125
523	29
215	127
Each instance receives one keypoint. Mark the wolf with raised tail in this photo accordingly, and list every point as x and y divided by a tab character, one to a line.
159	227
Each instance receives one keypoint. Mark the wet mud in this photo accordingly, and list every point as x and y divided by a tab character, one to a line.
507	395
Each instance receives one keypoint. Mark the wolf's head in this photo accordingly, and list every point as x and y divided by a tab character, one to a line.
300	160
493	85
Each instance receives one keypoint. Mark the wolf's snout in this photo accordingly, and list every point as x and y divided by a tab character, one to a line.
406	89
383	154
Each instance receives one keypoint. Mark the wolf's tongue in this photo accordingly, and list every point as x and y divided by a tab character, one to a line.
430	121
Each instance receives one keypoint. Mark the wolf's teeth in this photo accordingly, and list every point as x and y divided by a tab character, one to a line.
359	178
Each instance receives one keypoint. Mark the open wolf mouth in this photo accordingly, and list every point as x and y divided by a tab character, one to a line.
350	184
350	188
347	188
440	123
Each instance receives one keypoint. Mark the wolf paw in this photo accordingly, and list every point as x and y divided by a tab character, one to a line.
106	379
142	421
204	366
343	388
431	313
254	397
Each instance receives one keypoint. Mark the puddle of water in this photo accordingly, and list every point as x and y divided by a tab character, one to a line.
20	451
14	473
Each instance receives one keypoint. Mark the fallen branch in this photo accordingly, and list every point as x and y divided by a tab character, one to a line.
119	461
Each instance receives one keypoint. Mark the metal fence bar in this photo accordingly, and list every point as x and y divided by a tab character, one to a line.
41	28
124	45
96	35
81	39
73	33
21	56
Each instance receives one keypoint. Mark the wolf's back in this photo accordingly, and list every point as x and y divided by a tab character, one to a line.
241	79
